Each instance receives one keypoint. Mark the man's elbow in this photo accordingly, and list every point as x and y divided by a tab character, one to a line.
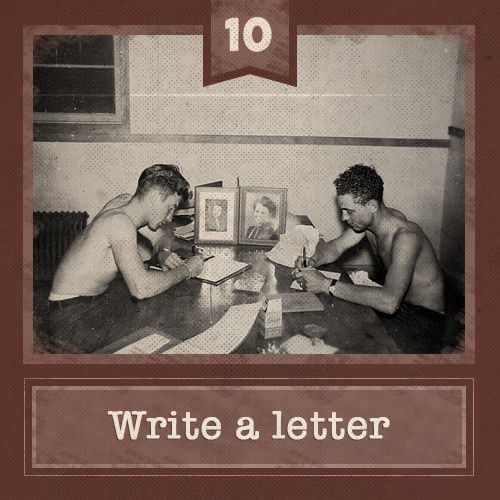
389	304
139	295
138	291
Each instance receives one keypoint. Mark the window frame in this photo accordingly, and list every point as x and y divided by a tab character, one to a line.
76	123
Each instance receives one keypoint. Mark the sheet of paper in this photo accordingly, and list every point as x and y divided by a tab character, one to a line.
218	268
292	244
361	277
328	274
223	337
147	345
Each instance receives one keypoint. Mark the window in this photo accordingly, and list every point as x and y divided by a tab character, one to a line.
78	79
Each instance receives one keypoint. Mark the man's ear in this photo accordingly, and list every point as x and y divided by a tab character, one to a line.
373	206
156	195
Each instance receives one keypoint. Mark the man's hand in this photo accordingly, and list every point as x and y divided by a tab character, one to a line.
195	265
299	262
311	280
169	260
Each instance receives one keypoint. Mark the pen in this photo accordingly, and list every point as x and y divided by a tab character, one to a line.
304	255
197	250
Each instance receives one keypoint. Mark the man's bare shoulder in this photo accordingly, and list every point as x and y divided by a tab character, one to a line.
409	234
113	221
396	213
405	227
118	201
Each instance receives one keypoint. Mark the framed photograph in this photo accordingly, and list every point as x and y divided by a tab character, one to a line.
216	215
262	215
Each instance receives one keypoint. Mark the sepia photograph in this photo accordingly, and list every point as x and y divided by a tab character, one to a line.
366	158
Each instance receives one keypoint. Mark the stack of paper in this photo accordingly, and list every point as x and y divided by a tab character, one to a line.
185	232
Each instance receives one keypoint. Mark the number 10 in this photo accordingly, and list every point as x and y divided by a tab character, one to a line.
233	25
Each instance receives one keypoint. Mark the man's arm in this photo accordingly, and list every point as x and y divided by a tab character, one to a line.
327	252
142	282
387	299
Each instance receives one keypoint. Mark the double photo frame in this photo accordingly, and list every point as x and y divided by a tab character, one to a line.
244	215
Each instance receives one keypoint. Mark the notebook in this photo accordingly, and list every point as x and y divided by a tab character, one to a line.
217	270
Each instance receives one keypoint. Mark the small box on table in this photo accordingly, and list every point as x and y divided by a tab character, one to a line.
269	319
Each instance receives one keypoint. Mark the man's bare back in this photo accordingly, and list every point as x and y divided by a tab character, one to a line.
88	267
426	285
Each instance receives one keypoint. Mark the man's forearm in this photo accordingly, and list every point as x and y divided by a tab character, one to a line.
379	298
326	253
156	282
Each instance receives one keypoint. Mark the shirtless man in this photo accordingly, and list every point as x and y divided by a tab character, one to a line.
109	245
413	285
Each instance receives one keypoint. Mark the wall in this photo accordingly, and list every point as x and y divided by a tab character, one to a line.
453	247
381	86
387	87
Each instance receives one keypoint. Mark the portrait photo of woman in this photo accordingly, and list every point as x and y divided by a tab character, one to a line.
262	215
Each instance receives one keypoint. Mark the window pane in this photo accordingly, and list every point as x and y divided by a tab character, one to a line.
76	104
73	90
72	49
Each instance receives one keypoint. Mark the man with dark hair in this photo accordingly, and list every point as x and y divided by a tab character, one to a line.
108	246
411	299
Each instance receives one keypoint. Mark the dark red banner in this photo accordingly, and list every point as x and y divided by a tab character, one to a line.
250	37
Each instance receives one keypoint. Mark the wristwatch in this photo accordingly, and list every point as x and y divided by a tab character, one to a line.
331	289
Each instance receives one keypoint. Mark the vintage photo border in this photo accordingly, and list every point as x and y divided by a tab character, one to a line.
468	356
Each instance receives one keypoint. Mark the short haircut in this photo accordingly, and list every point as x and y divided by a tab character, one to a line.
362	183
268	203
166	178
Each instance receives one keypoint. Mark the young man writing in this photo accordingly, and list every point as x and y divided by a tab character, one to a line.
108	246
412	293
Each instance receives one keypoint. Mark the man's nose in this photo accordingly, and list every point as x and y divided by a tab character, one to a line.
345	217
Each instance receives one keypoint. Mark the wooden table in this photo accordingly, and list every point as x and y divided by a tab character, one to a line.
191	307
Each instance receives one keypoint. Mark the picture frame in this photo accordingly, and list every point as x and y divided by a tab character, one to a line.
262	216
216	215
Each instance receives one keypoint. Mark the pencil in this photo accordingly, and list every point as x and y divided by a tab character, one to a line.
304	255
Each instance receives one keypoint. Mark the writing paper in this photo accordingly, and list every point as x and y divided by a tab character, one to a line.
146	345
223	337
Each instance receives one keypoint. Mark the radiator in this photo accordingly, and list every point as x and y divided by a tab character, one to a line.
53	232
